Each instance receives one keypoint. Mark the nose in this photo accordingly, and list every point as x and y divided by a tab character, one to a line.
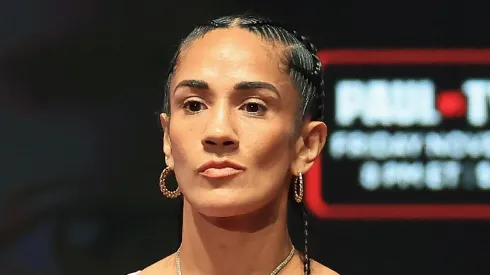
220	132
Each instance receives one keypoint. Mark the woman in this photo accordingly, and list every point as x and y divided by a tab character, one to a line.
242	123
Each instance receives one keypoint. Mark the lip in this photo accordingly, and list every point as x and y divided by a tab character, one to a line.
220	169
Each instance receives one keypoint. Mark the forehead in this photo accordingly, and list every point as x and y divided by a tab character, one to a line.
233	54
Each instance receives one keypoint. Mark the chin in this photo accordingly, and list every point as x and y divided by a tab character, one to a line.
222	203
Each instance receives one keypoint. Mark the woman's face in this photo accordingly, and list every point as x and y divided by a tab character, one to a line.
230	137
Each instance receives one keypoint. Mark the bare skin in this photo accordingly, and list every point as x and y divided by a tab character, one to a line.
231	101
167	266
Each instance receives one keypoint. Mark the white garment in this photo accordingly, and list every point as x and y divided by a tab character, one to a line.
134	273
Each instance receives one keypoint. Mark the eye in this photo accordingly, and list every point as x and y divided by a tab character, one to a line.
254	108
193	106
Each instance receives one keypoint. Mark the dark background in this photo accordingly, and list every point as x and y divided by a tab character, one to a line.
80	150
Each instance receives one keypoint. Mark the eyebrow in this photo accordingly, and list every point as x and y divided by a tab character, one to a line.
254	85
244	85
197	84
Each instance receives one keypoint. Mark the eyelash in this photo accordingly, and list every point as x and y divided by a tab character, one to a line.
262	108
186	104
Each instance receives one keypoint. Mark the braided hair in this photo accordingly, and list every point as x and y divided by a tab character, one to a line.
301	63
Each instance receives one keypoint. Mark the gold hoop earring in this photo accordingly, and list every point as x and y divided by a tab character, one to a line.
298	184
163	185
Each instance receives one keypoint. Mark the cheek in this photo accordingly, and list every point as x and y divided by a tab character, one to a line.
271	147
183	148
183	139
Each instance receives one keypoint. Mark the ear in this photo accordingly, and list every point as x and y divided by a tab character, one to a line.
309	146
167	145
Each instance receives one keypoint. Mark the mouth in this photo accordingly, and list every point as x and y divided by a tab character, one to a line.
222	169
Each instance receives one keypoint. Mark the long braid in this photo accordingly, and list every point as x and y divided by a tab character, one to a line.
301	210
306	256
315	77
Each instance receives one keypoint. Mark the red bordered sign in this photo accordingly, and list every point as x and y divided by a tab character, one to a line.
313	191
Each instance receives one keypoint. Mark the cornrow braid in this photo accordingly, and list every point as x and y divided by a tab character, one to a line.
301	62
316	76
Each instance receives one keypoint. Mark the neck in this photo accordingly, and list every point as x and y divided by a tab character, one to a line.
254	243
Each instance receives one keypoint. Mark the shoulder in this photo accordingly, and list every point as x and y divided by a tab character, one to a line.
164	266
319	269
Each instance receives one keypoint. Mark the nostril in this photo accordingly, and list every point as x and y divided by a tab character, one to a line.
210	142
224	143
229	142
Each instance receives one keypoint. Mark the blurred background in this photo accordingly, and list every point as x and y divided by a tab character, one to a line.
80	150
